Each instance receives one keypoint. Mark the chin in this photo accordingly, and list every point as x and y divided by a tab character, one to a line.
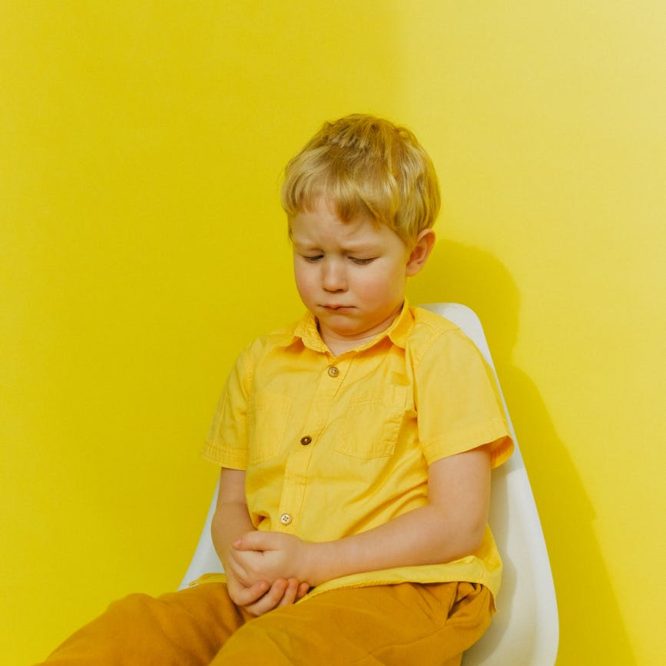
341	328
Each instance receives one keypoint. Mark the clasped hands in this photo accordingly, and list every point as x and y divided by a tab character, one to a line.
266	570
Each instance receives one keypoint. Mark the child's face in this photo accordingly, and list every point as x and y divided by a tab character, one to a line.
350	275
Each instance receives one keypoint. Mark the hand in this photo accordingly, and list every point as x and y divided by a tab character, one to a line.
262	597
268	556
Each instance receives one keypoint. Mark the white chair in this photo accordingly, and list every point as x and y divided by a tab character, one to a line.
525	631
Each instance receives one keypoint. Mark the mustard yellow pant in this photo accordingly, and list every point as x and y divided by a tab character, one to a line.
392	624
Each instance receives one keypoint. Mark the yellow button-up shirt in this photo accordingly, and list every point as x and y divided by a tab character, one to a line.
333	446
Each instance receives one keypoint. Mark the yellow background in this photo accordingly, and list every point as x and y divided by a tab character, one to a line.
141	245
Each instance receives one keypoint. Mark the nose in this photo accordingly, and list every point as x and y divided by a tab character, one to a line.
333	277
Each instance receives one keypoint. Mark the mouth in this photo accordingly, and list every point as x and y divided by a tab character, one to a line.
337	308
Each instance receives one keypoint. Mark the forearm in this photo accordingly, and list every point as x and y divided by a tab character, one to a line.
423	536
231	521
450	526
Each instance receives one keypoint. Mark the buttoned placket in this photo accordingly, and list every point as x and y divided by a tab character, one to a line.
297	472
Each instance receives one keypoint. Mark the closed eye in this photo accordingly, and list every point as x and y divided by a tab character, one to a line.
312	258
362	262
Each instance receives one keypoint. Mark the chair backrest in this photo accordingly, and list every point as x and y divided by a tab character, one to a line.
525	631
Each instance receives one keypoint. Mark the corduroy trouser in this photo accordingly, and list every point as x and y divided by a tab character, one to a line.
389	624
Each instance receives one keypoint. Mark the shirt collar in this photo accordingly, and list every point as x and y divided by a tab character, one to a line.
306	331
397	332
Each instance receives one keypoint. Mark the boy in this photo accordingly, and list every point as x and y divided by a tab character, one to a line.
355	449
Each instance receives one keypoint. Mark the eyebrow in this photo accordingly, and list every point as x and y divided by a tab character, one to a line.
305	247
351	247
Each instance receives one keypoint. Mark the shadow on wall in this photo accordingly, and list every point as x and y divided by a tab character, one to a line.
588	609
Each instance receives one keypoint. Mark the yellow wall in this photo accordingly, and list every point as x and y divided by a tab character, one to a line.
141	244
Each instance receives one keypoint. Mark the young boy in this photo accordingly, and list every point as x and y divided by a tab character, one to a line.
355	449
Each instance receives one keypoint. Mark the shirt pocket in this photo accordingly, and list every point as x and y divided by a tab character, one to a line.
371	424
268	416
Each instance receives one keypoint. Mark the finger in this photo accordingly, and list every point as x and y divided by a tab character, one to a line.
255	541
303	589
270	600
238	571
245	596
241	560
290	593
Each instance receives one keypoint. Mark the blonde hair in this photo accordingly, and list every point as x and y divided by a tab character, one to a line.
368	166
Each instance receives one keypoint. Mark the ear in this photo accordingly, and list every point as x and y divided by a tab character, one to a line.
421	250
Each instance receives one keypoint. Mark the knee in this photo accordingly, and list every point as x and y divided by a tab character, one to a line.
132	606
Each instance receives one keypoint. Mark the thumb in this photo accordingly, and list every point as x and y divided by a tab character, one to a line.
254	541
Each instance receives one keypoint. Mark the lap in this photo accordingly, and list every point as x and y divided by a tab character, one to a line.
397	624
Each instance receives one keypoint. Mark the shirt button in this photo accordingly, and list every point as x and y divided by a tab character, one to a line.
306	440
333	371
286	519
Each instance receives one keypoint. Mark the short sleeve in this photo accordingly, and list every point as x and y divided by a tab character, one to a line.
226	444
457	401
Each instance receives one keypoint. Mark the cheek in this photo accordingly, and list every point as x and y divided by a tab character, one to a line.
303	279
372	295
384	285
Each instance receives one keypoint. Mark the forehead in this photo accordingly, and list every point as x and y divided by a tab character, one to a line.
322	225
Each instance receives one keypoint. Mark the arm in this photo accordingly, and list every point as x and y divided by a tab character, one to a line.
231	520
450	526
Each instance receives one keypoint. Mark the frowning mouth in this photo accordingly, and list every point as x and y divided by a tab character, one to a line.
338	308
